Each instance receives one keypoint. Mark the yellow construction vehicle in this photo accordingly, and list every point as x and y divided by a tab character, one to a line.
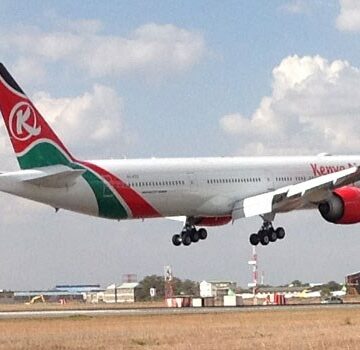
38	298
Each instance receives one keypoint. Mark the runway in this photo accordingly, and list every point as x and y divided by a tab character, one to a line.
162	311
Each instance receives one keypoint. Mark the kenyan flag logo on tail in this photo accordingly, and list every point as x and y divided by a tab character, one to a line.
23	123
34	142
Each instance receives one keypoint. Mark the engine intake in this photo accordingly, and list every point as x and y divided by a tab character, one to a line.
343	207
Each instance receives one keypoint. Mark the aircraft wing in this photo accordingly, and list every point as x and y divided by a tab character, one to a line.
177	218
296	196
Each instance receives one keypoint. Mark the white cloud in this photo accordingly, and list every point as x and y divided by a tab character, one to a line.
295	7
84	26
151	48
349	17
29	70
91	124
7	155
314	107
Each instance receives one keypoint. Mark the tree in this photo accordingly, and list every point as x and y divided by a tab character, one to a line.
333	286
296	283
152	281
325	292
187	287
180	287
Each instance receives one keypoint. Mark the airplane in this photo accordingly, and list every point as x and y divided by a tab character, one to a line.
203	191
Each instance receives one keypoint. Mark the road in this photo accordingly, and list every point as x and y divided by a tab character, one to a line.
160	311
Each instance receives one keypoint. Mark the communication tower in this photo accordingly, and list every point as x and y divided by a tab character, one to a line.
168	276
254	264
129	278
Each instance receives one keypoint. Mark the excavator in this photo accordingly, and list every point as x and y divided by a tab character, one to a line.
36	299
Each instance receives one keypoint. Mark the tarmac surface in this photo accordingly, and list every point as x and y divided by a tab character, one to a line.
29	314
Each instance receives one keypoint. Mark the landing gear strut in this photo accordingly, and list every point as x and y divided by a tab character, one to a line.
188	235
267	234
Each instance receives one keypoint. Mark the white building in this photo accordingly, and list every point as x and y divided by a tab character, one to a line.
216	289
125	293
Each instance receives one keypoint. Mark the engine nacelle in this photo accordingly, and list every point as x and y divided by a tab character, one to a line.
343	207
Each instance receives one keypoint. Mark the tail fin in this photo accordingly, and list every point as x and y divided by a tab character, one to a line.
34	142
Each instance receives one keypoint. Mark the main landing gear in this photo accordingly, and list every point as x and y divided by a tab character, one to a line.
267	234
189	235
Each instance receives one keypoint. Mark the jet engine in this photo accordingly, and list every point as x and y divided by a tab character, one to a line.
343	207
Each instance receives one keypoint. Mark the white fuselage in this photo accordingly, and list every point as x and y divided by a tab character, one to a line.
211	186
204	187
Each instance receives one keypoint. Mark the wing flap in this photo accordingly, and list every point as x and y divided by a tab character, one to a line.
286	198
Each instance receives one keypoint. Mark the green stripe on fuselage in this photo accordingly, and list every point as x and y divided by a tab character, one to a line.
109	205
42	154
46	154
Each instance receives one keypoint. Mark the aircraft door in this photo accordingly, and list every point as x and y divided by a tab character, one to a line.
192	181
269	177
107	193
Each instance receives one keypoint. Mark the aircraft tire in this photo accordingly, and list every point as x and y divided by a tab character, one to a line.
202	233
176	239
280	232
261	233
272	235
264	240
194	235
254	239
186	239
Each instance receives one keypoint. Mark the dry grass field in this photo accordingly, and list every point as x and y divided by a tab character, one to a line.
79	306
276	329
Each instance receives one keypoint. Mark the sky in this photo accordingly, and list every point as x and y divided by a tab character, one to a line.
137	79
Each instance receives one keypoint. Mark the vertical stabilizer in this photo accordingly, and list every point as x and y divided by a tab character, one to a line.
34	142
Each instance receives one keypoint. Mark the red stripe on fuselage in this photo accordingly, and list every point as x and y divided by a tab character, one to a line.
139	207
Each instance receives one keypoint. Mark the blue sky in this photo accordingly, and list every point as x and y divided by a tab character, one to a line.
250	78
244	41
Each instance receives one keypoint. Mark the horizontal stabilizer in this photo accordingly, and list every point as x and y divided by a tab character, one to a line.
64	179
54	176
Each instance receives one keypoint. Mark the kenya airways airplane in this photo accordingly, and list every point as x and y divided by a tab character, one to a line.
204	191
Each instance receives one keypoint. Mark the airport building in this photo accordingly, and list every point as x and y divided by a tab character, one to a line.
6	297
216	289
210	293
125	293
64	293
214	292
353	283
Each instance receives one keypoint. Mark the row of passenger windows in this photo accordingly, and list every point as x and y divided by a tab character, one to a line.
234	180
210	181
286	178
283	178
156	183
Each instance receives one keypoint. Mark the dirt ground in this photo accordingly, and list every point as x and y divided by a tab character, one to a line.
273	329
